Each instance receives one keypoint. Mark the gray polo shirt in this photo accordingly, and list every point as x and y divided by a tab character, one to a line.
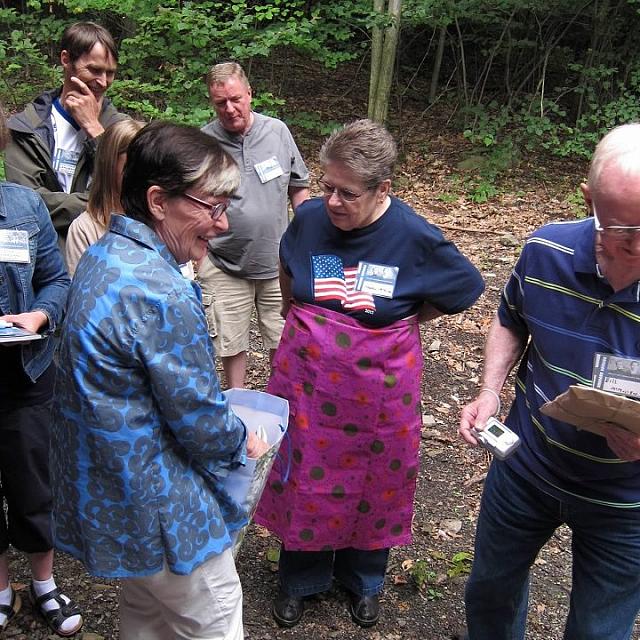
258	211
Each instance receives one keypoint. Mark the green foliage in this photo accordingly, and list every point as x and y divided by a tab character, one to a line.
575	200
425	579
273	554
313	123
167	47
24	64
481	190
460	564
520	74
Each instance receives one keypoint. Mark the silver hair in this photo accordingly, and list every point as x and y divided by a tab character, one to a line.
220	73
214	179
365	147
619	147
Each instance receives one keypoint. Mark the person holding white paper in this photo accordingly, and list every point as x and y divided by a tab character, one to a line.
33	294
574	292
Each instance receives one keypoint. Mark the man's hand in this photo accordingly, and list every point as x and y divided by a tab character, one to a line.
31	321
475	415
81	103
625	444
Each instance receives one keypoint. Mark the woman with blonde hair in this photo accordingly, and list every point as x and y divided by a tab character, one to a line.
104	193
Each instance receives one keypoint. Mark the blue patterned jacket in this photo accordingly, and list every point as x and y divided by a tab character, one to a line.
141	434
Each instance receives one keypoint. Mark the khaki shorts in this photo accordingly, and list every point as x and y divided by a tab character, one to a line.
229	302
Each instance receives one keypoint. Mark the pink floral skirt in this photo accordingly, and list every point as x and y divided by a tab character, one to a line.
347	476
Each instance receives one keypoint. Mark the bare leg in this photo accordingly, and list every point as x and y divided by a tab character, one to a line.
4	571
41	565
235	368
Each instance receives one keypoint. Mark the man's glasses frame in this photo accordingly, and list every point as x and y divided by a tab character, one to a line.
215	210
615	231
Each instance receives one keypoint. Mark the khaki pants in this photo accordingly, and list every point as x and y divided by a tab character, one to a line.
205	605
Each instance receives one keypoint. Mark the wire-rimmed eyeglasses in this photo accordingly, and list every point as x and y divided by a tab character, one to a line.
215	210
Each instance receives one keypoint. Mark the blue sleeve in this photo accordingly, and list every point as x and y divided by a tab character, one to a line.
288	241
451	283
511	309
182	377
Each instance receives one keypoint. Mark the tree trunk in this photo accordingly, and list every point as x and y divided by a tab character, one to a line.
379	98
437	63
376	54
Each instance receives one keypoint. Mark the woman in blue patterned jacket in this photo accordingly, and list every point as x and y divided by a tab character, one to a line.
142	435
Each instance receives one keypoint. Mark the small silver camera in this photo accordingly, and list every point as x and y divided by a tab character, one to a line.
497	438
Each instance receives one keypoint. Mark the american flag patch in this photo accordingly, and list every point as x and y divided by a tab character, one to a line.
332	281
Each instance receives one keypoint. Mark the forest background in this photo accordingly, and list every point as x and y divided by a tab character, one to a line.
512	76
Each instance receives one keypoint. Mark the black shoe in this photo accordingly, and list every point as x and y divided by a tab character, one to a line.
287	610
365	610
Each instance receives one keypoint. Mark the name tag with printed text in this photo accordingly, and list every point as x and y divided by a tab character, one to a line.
268	169
14	246
65	162
376	279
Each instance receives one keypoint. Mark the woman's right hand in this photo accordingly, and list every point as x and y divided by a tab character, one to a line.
255	446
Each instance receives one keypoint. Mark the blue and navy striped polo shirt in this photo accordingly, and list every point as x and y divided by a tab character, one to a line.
556	297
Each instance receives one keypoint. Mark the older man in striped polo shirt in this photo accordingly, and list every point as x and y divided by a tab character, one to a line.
574	291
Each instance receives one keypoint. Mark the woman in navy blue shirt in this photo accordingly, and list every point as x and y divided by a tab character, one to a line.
359	270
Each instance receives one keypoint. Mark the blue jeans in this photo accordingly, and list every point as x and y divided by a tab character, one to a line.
516	519
303	573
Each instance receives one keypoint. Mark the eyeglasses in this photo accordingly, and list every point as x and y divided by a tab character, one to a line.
215	210
620	232
344	194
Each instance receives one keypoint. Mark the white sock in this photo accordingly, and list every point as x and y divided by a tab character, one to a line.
44	586
5	598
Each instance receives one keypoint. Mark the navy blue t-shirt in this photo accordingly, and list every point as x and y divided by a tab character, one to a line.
378	274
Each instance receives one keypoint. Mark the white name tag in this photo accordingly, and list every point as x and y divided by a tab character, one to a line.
376	279
268	169
65	161
14	246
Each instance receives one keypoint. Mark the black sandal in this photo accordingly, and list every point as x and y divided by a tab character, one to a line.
10	610
55	618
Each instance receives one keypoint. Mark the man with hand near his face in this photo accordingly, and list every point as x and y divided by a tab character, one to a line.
53	141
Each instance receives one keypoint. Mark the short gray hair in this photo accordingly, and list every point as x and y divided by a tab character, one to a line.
365	147
620	147
220	73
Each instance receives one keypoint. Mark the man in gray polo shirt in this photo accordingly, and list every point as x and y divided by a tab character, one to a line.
240	271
